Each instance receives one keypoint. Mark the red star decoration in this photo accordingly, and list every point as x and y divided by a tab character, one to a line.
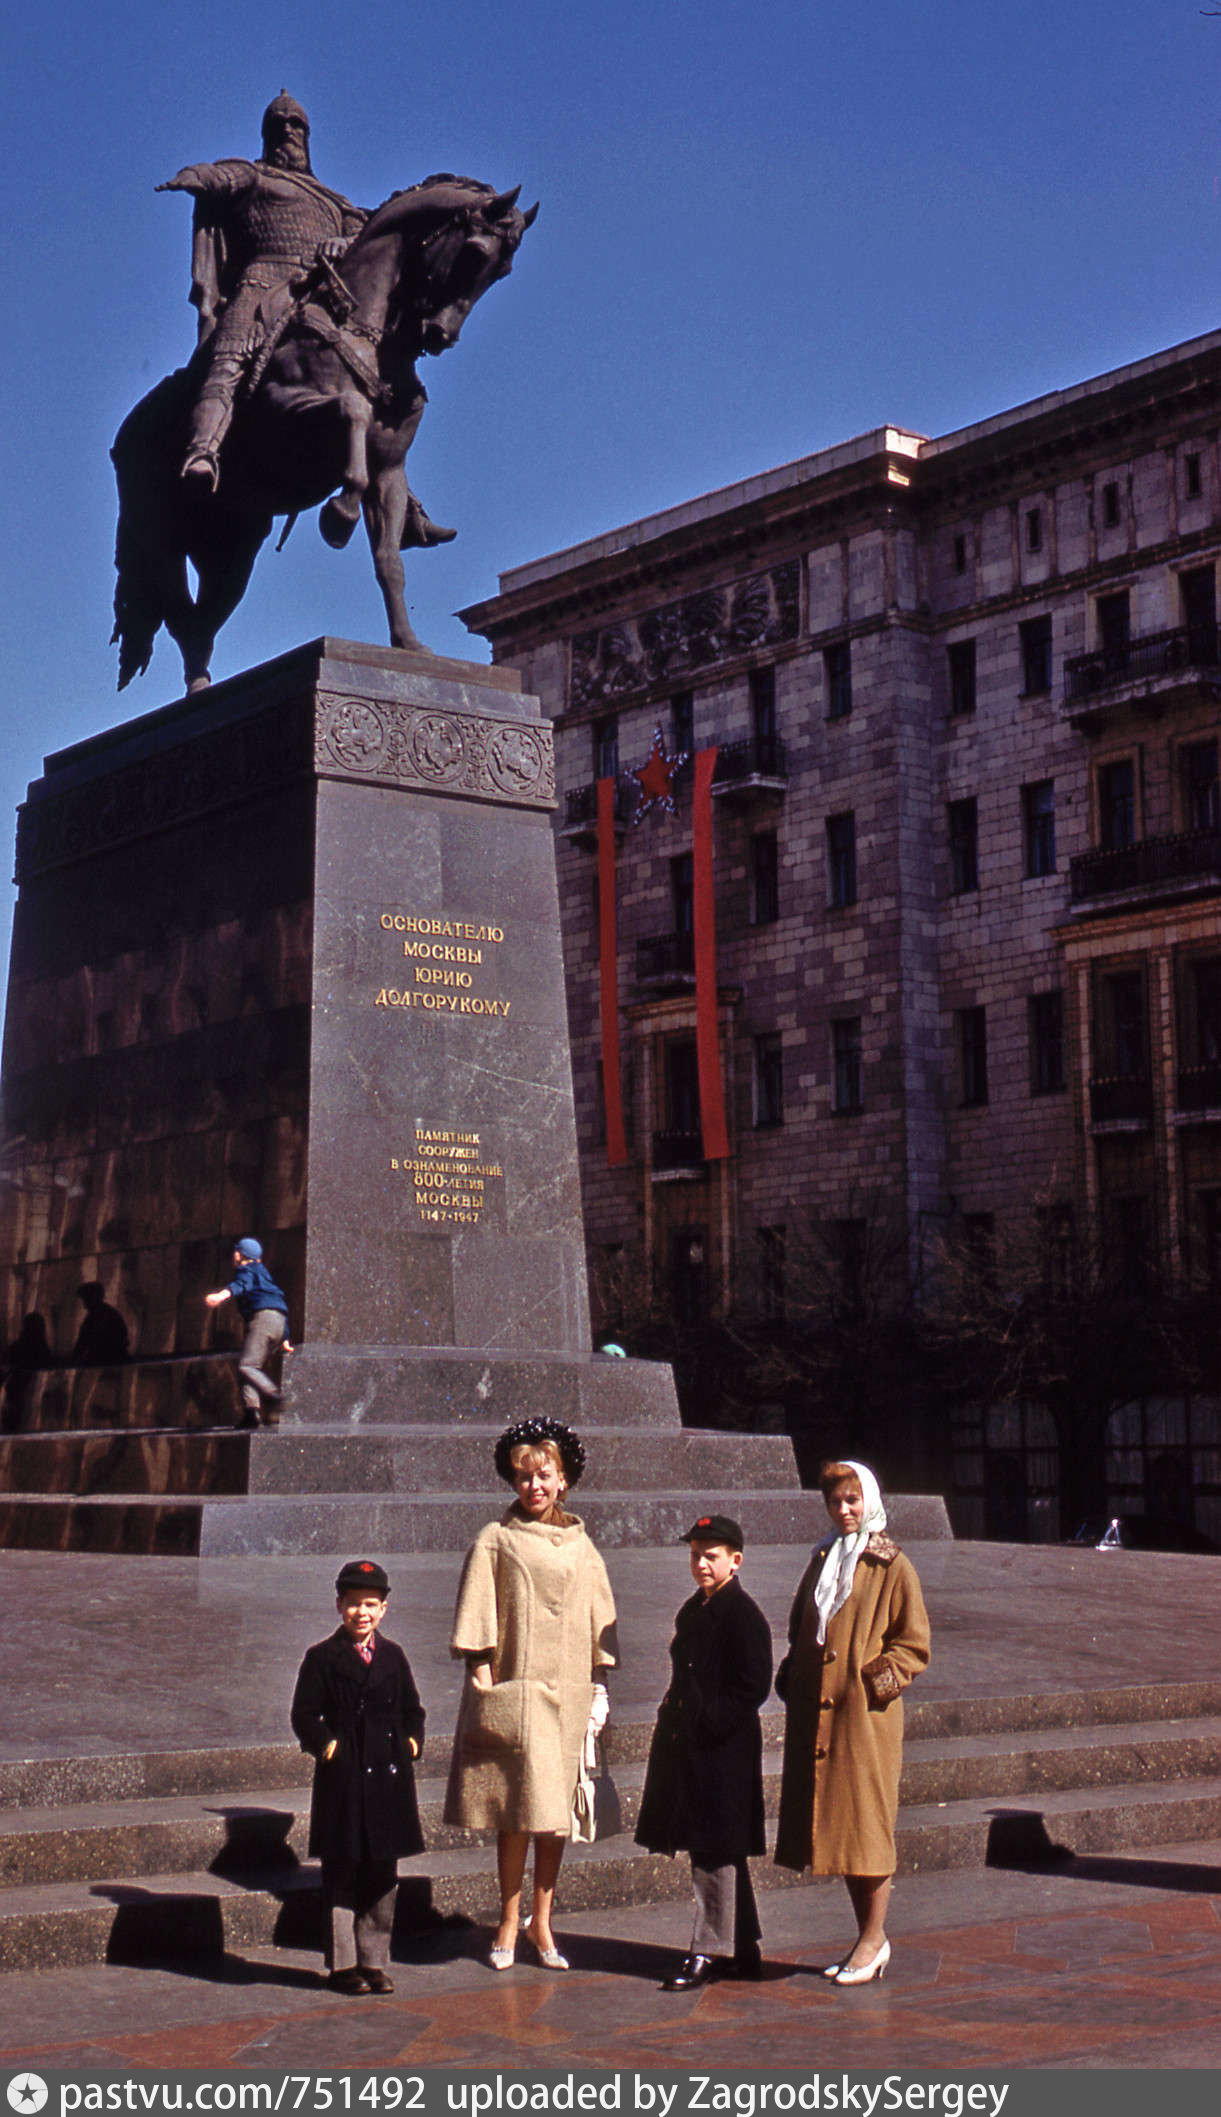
654	778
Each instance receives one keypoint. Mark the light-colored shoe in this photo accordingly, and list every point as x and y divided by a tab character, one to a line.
550	1958
501	1958
832	1969
866	1973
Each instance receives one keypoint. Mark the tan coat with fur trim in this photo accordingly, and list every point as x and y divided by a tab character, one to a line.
535	1598
839	1793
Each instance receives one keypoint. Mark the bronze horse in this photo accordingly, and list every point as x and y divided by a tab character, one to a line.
331	409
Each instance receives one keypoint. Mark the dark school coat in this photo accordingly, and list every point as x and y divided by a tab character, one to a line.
364	1800
703	1791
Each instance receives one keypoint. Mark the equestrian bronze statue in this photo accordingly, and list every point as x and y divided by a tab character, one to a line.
303	390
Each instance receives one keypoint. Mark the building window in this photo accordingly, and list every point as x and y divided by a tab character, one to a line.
1039	826
960	656
764	878
606	746
1117	804
771	1273
1121	1025
689	1274
1034	529
1128	1257
837	662
1198	596
964	845
1114	619
1110	505
1057	1249
1035	635
1209	1204
1201	791
846	1063
1193	481
972	1026
960	553
979	1246
682	1085
682	893
1045	1017
850	1252
841	858
1202	994
682	723
769	1080
763	707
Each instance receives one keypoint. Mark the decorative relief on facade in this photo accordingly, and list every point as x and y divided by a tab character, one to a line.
712	625
405	745
163	792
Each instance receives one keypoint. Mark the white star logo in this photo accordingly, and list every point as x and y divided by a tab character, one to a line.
27	2092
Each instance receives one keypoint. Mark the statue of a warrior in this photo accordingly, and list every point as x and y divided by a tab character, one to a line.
260	227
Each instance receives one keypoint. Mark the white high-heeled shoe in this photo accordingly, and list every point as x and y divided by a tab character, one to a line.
866	1973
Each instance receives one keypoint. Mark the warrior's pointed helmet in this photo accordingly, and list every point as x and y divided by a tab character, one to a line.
284	109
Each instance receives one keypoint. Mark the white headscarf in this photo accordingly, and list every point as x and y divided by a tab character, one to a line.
834	1583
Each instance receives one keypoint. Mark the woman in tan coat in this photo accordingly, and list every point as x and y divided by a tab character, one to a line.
535	1623
858	1633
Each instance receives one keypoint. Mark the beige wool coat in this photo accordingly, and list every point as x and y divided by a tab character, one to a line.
839	1790
534	1596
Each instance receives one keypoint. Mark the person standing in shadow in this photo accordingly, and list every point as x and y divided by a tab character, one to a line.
29	1352
102	1340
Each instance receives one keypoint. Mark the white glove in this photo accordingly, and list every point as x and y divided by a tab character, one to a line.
599	1714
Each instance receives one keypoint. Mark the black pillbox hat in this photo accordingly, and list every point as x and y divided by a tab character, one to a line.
715	1529
362	1573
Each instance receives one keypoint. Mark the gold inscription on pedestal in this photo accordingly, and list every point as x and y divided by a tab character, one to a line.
449	1174
443	955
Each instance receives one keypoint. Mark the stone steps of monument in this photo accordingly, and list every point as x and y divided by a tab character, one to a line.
200	1911
304	1461
956	1723
262	1525
230	1833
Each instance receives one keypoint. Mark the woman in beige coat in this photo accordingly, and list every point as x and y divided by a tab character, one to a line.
535	1623
858	1633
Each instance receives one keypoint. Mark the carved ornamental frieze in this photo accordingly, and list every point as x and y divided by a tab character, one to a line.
709	626
435	748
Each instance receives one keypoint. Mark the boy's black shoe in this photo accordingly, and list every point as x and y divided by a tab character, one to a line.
692	1971
377	1981
350	1981
747	1965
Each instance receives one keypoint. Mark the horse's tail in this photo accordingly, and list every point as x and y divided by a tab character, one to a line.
142	455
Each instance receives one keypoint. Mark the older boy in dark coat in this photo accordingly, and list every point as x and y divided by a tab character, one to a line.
703	1790
357	1712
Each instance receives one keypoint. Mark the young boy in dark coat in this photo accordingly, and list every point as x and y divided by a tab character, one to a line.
703	1790
357	1712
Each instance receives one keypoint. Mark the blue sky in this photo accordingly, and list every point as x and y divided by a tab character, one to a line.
764	227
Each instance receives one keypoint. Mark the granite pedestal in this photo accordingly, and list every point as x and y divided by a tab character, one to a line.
286	961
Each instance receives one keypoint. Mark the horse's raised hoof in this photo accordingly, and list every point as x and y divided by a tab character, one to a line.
198	683
338	520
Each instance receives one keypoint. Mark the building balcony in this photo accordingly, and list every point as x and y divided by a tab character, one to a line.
666	959
756	765
1185	863
1123	1099
581	812
678	1153
1159	665
1199	1090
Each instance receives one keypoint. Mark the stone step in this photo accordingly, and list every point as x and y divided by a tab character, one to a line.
957	1723
57	1923
258	1525
197	1391
229	1834
328	1385
305	1461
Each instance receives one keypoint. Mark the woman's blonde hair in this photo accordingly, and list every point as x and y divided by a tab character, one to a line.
528	1455
834	1474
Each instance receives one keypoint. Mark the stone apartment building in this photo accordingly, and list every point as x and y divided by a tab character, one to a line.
964	822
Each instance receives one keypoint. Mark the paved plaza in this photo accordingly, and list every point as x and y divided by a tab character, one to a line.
1097	1960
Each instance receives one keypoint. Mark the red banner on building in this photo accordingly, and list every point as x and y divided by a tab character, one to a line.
707	1044
608	952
